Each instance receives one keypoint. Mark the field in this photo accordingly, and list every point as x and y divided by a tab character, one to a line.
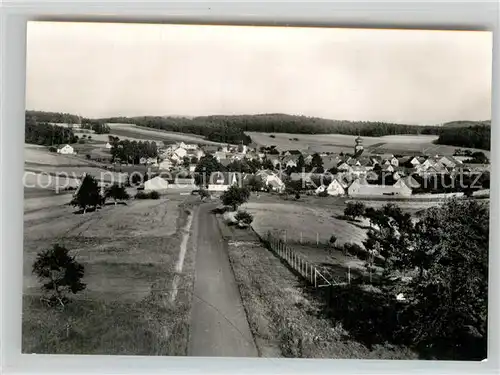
336	143
143	133
129	253
300	221
284	315
35	154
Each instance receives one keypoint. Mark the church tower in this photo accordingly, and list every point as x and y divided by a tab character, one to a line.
358	148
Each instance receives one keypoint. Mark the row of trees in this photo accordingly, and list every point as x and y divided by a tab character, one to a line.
47	134
446	254
132	151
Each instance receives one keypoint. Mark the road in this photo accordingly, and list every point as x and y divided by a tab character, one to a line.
219	326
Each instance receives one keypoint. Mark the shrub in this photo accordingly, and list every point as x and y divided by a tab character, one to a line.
354	210
323	194
354	249
244	217
52	149
151	195
141	195
332	240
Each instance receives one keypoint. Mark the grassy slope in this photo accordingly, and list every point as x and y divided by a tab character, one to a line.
285	318
126	307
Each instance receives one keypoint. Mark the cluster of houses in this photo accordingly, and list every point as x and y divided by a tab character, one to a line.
340	174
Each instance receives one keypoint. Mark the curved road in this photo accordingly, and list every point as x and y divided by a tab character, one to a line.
219	326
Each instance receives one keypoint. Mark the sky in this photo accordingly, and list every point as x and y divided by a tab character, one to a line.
403	76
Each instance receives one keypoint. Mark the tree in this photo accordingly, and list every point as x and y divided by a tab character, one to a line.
88	195
317	163
354	210
207	165
235	196
117	192
255	183
449	299
59	272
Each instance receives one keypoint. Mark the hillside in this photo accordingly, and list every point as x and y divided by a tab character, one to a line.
231	129
466	124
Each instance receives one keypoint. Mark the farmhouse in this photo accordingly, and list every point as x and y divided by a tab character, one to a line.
157	183
221	181
271	180
335	188
66	150
362	188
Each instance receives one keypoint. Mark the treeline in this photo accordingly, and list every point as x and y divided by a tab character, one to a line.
273	123
54	117
98	126
132	151
47	134
478	136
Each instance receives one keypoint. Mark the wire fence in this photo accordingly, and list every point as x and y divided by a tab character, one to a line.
302	266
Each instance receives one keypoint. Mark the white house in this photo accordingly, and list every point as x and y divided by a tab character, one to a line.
221	181
157	183
66	150
108	145
180	152
335	188
271	180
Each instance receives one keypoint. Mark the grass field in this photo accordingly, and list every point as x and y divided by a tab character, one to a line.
129	253
298	221
41	155
286	319
391	144
138	132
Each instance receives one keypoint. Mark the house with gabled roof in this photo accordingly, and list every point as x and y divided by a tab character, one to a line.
221	181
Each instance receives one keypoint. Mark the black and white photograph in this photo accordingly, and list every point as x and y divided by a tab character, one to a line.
256	191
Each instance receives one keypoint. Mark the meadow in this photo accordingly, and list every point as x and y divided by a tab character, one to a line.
129	253
143	133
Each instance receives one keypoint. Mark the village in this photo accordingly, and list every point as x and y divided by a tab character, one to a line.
357	174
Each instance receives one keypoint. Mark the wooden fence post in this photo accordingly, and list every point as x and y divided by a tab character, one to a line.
317	238
349	275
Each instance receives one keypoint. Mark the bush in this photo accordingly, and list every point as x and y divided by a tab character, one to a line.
323	194
151	195
332	240
354	249
244	217
53	149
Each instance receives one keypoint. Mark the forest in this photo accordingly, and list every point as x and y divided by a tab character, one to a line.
47	134
477	136
54	117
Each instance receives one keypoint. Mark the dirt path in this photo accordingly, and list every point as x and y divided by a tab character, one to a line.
219	326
